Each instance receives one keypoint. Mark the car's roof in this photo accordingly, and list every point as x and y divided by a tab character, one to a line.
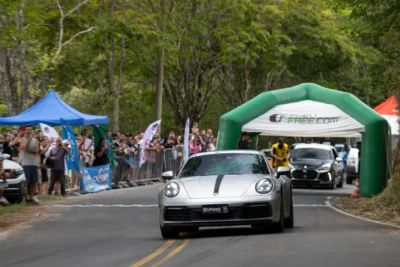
242	151
320	146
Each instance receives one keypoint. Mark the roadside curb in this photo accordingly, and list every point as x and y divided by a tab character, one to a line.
323	193
335	207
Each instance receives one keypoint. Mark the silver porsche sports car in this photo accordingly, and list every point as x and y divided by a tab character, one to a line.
223	188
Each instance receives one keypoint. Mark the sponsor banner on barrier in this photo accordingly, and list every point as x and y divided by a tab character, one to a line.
96	179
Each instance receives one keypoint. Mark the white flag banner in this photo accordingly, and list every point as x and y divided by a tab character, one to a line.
186	141
148	136
49	131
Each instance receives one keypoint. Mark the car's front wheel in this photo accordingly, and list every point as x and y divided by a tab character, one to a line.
342	178
280	225
289	222
169	232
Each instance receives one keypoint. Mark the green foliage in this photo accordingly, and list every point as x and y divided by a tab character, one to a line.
218	54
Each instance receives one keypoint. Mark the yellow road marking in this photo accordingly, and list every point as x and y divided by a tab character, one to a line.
172	253
154	254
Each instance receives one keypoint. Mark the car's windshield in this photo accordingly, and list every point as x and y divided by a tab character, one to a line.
267	153
339	148
223	164
311	153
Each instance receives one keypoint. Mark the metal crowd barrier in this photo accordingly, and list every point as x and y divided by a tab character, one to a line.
127	170
123	169
173	159
151	169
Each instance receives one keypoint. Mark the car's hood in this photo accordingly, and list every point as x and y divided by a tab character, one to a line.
308	162
11	165
230	186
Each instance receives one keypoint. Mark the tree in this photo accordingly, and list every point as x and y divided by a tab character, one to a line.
21	70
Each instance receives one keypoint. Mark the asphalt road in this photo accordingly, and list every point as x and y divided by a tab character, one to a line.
120	228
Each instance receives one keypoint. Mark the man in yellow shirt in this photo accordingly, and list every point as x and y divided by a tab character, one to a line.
280	153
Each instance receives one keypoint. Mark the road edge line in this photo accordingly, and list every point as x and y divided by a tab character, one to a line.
328	203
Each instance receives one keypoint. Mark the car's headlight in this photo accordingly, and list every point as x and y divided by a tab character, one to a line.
171	190
291	166
264	186
325	167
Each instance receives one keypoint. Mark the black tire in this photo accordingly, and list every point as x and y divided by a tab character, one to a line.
278	227
169	233
289	222
342	178
332	185
349	180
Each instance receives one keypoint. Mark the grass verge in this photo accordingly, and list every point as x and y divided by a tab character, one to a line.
384	207
11	208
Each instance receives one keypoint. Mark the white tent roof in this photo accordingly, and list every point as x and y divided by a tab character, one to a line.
305	119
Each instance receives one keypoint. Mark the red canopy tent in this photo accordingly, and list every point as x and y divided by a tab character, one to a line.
390	111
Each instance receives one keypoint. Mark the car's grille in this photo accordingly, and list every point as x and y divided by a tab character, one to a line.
252	211
308	174
249	211
177	214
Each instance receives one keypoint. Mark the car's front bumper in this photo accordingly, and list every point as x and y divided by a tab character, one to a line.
311	177
351	171
242	211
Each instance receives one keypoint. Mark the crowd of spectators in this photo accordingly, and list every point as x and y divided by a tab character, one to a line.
44	164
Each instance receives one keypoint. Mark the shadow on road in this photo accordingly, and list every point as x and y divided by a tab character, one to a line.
231	231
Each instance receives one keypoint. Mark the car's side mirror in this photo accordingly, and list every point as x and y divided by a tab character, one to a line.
6	156
283	171
167	175
339	159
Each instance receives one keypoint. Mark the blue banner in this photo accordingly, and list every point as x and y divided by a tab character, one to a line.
96	179
73	157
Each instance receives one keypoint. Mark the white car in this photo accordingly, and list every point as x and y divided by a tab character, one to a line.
352	165
14	191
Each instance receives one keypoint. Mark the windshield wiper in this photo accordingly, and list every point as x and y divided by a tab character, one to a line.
233	173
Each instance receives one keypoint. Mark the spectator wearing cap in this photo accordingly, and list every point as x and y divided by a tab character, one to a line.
280	154
244	141
57	156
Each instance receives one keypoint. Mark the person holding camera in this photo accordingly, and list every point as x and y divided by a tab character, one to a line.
280	154
57	157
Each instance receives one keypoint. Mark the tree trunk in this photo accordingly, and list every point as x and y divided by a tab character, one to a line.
160	70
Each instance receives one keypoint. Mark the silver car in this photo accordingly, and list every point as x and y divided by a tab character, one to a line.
224	188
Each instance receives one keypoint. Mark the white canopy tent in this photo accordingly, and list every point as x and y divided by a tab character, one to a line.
305	119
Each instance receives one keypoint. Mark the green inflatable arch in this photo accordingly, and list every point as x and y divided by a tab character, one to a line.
375	133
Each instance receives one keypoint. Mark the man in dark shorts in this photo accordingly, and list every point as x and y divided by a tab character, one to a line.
29	160
57	155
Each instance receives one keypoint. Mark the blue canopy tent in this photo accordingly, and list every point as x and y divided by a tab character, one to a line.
49	110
